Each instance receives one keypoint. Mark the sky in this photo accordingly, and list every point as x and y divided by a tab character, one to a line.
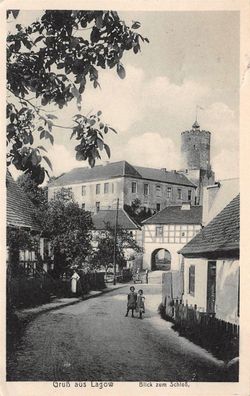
192	59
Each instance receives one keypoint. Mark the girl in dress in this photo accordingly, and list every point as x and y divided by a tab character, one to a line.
140	305
132	298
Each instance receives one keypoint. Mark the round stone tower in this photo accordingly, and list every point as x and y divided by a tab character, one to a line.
195	148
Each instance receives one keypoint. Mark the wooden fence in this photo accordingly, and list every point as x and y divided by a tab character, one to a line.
218	336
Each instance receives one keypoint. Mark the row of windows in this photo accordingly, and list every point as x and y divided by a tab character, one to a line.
107	188
159	191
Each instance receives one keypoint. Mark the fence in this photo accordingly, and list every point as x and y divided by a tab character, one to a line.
33	286
218	336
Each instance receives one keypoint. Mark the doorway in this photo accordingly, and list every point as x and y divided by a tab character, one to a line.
211	286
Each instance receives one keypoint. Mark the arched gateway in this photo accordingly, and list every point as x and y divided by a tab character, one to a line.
161	260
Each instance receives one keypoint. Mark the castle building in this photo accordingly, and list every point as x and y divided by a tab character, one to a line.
195	153
99	188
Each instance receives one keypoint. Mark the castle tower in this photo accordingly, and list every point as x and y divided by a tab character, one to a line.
195	148
195	153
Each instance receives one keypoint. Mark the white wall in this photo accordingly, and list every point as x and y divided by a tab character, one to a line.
174	237
200	295
173	248
107	201
227	282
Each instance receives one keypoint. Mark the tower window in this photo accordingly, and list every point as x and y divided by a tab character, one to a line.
158	207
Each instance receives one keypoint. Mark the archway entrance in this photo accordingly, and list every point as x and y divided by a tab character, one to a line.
161	260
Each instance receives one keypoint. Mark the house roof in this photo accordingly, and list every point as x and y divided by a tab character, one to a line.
220	236
107	217
119	169
176	215
19	207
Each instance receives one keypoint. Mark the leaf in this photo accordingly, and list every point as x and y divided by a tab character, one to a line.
51	117
75	92
106	129
98	22
136	25
48	162
112	129
80	156
15	13
99	144
38	39
42	148
42	134
107	149
121	71
99	113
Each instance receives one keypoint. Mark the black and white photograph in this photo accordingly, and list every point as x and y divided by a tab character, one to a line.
122	197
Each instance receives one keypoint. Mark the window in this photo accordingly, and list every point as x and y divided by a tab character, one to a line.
159	231
97	206
191	279
106	188
112	188
158	191
83	190
134	187
83	206
146	189
169	192
179	194
97	188
189	195
158	207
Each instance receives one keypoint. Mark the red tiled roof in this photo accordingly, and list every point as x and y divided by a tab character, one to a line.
220	236
119	169
175	215
107	217
19	207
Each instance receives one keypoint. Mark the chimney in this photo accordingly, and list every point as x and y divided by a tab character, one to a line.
164	169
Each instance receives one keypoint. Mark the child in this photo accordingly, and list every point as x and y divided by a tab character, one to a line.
132	297
140	307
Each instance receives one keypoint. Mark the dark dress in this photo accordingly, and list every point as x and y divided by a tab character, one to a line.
132	298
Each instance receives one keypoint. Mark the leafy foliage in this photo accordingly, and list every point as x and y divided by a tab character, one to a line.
50	62
137	211
68	228
36	194
104	253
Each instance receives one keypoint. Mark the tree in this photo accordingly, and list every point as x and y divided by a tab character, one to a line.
68	228
50	62
37	195
104	253
137	211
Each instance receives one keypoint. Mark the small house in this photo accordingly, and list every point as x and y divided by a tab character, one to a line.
211	266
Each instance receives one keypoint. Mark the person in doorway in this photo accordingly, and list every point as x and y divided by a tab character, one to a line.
131	304
140	306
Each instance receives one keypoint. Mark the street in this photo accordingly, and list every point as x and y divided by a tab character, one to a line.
93	340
